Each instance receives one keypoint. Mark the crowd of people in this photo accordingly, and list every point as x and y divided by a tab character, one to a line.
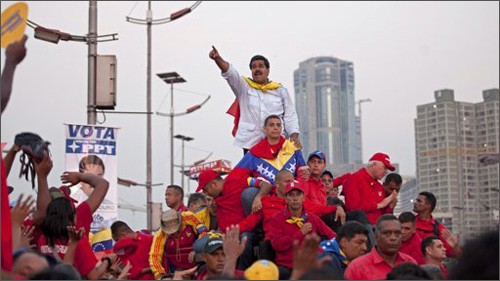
276	215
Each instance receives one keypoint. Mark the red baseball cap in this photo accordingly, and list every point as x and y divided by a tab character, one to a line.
293	185
205	177
384	158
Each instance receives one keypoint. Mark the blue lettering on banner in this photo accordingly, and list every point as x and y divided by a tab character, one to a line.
91	146
82	131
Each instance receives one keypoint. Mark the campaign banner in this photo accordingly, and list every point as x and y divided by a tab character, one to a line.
92	149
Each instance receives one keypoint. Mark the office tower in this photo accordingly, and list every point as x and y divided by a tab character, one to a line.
325	103
450	138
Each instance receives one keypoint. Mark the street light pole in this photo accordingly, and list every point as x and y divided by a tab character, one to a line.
149	22
171	78
149	191
183	139
92	53
360	132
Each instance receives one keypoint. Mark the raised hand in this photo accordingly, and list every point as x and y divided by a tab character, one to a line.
43	167
233	248
21	210
27	236
17	50
340	214
304	256
72	178
214	54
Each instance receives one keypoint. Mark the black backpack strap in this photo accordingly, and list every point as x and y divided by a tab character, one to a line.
436	228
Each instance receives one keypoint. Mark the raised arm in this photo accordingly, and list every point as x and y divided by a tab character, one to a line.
43	199
99	184
221	63
14	54
10	156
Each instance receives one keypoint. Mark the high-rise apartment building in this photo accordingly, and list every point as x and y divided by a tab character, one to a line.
325	103
450	137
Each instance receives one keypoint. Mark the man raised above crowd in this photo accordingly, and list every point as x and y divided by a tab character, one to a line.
256	99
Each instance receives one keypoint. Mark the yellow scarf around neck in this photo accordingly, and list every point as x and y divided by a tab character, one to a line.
264	88
297	221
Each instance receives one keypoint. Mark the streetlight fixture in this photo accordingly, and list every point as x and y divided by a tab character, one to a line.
171	78
54	35
183	139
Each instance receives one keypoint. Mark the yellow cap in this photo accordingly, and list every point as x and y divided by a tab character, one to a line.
262	270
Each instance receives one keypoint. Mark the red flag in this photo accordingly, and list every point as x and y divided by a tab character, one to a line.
6	225
234	110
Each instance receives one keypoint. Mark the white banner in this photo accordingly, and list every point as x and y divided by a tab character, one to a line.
93	149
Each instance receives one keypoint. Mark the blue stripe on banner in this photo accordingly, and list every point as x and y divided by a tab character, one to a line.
78	146
102	245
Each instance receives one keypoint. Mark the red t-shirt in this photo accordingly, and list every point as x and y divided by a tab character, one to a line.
426	229
372	266
317	191
271	204
6	224
282	234
136	251
412	248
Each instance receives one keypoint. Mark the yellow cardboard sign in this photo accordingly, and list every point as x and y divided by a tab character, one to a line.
14	23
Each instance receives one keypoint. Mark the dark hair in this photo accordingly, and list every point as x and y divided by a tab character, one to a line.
349	229
326	172
60	214
196	197
427	242
119	227
90	159
178	188
393	177
408	271
479	259
384	217
407	217
273	116
259	57
431	199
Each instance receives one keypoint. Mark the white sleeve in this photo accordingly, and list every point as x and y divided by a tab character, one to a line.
238	85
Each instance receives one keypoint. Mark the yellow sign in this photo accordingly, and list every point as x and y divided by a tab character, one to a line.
14	23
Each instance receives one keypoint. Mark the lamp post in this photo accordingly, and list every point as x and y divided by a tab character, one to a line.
149	21
183	139
54	35
171	78
360	133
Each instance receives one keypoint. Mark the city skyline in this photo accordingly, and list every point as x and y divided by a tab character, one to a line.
402	52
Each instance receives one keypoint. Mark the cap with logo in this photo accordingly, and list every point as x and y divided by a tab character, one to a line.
384	158
206	177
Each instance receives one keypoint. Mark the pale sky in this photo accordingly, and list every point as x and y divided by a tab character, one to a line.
402	52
